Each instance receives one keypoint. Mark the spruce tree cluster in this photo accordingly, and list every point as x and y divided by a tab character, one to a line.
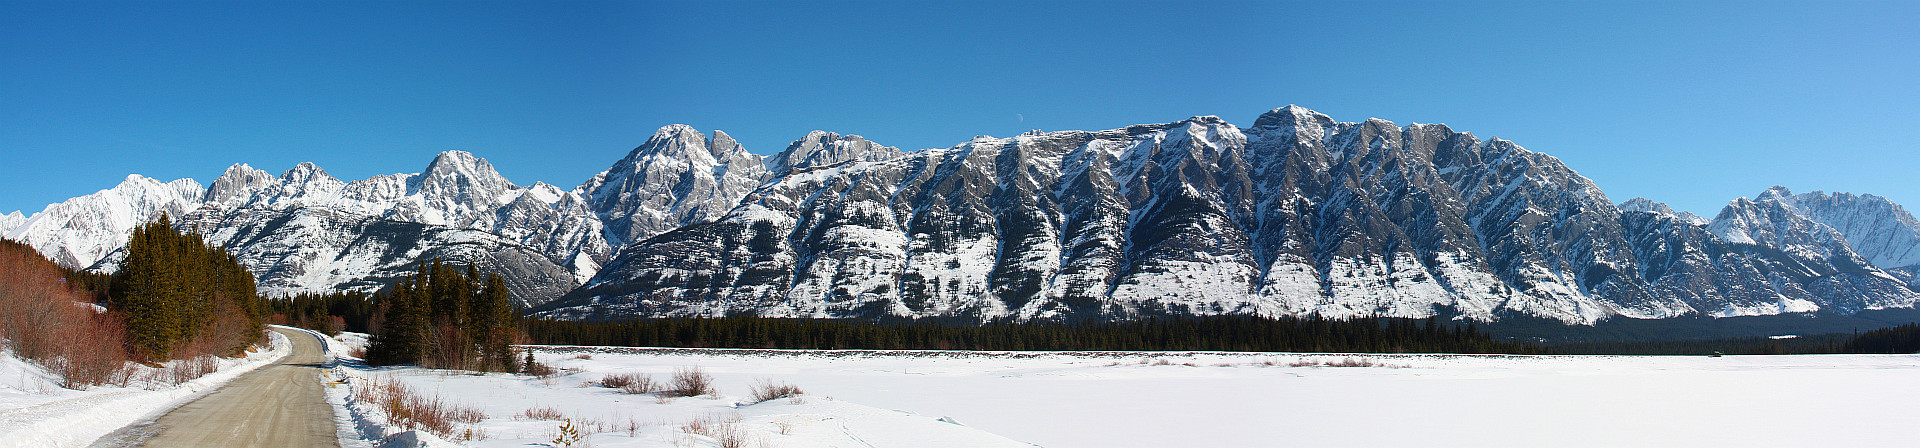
183	298
442	317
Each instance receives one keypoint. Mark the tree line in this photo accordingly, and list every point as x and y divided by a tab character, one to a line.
1209	333
329	313
1900	339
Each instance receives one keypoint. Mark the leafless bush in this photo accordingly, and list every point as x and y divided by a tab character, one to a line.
642	385
767	390
1351	362
542	413
1344	362
631	383
188	369
692	381
582	356
407	410
729	435
717	426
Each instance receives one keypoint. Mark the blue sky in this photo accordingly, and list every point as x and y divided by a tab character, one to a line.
1691	103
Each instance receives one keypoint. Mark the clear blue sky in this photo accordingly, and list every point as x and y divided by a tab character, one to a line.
1692	103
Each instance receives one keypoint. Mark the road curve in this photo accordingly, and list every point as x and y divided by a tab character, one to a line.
279	405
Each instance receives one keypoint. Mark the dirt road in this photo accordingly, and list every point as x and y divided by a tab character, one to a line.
280	405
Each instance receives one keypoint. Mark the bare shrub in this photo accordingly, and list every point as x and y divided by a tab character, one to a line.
730	435
583	356
358	351
711	425
186	370
630	383
767	390
1351	362
641	385
407	410
542	413
467	415
691	382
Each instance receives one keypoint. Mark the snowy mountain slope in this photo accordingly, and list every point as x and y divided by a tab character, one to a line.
1661	208
1298	215
1878	229
81	231
306	231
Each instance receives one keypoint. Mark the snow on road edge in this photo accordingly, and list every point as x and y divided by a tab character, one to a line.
359	424
80	420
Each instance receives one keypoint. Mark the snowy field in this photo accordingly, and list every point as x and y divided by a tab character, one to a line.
1064	400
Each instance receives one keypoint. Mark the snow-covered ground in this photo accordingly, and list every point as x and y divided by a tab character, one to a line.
882	399
36	412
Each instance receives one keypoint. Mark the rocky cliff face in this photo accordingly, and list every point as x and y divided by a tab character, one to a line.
1297	215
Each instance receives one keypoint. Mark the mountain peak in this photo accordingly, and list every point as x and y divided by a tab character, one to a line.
822	148
679	141
461	164
238	182
1776	192
453	156
304	172
1291	116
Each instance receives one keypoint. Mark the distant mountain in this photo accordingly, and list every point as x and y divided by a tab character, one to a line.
79	232
1295	215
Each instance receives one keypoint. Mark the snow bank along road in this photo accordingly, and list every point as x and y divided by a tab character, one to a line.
280	405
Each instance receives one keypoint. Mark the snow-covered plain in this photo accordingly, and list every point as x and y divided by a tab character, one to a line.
895	398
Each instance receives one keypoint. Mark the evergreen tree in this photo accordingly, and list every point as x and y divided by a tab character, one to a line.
176	292
402	338
444	318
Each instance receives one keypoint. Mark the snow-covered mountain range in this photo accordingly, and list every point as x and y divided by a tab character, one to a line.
1297	215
